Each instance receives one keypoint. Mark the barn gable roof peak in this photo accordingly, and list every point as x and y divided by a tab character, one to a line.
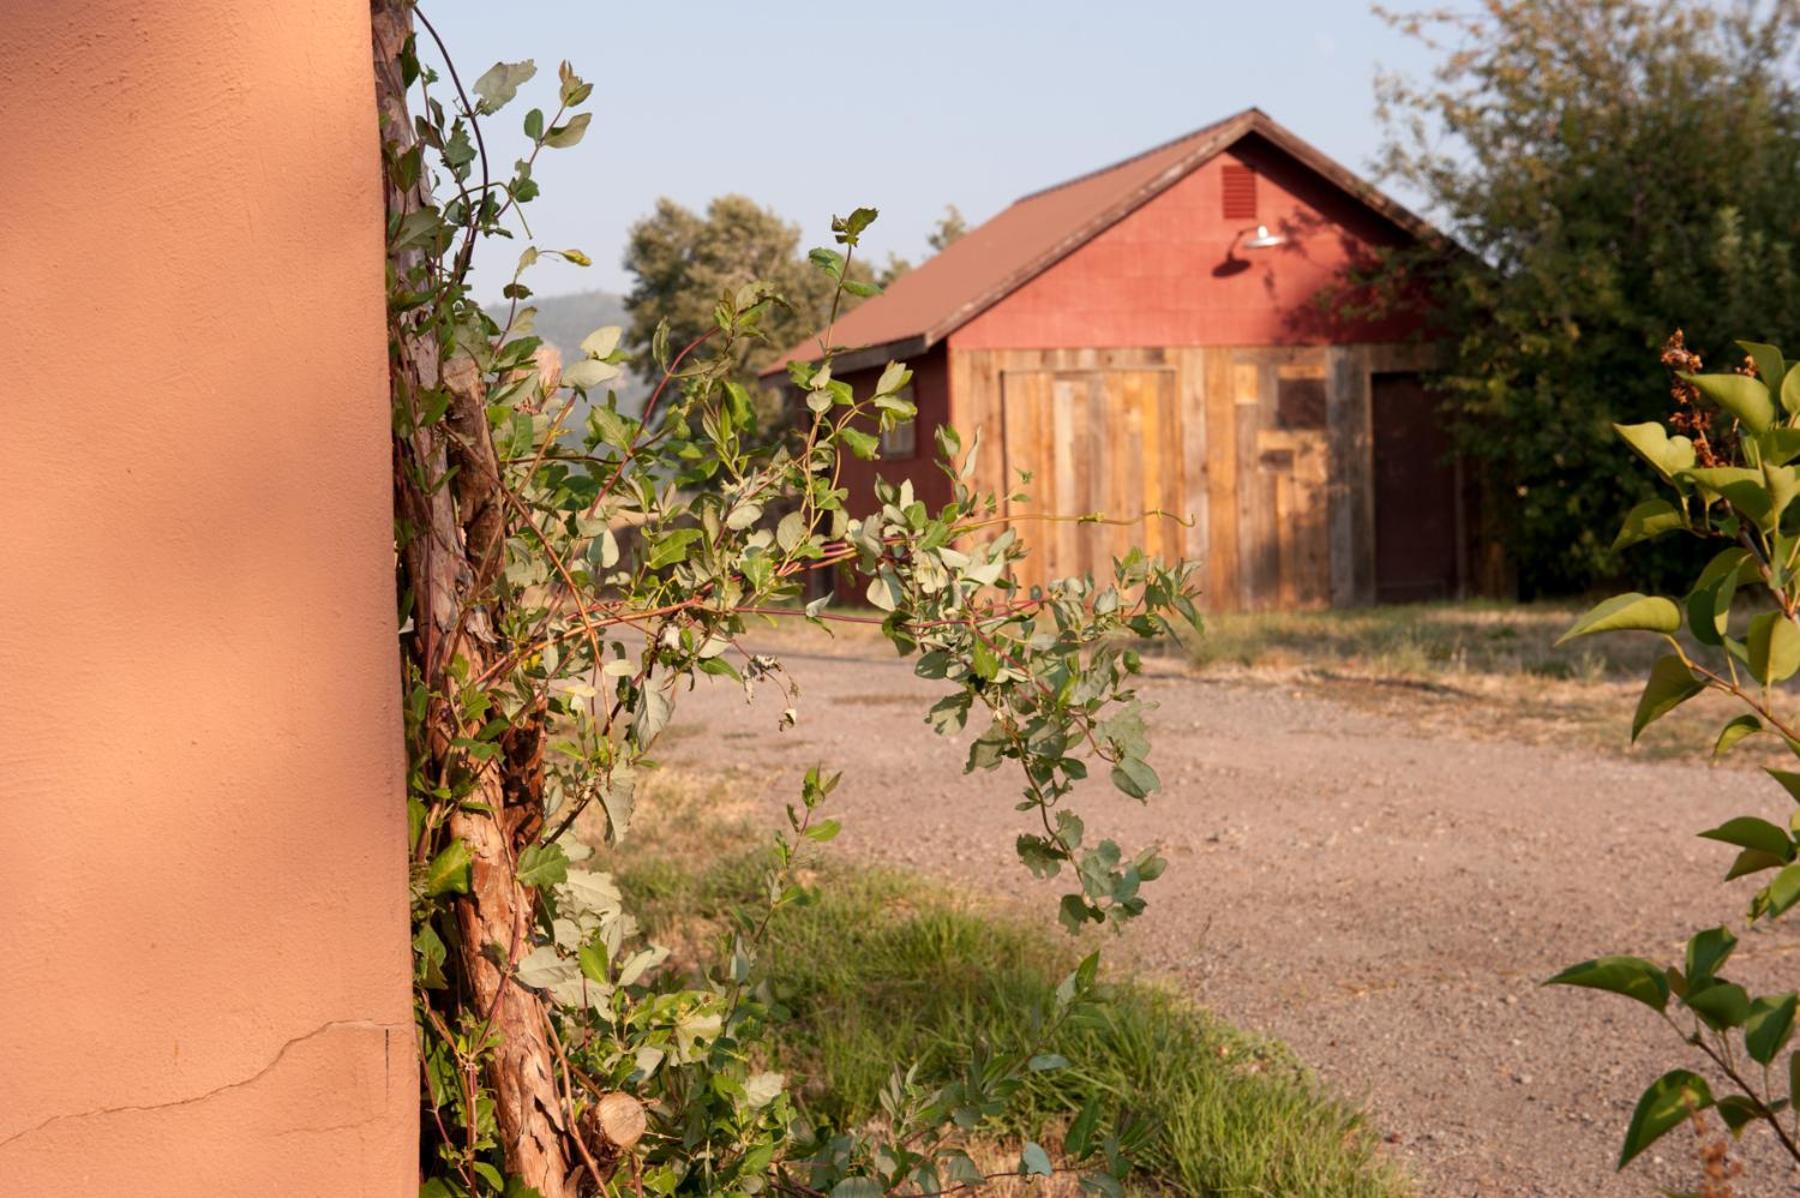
1042	227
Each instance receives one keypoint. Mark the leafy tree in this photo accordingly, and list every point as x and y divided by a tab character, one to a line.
565	572
684	262
1728	483
1617	168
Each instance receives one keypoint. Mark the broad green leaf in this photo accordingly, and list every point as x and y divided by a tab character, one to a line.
500	83
884	590
1651	441
589	372
1044	1062
1081	1130
1738	1110
1629	612
858	1187
1790	389
1735	729
543	865
1721	1005
602	341
1633	977
1790	781
791	531
1769	366
1781	894
1034	1161
1770	1025
1709	603
1753	861
1780	445
1670	685
1740	395
1774	645
1647	521
1671	1100
1707	951
1749	832
564	136
449	870
1134	776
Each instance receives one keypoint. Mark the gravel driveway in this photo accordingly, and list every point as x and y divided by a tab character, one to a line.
1383	901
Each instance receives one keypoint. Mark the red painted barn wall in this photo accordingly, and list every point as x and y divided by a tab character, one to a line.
931	392
1167	274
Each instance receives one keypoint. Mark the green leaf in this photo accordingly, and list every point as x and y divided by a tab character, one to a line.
1790	389
863	445
500	83
1790	781
1647	521
1633	977
1044	1062
1134	776
1770	1025
1749	832
543	865
1738	1111
1774	645
829	261
1670	1100
1709	603
588	373
1707	951
1769	367
1081	1130
884	590
1781	894
791	531
1753	861
1735	729
1629	612
673	548
1670	685
564	136
449	870
1740	395
1722	1005
1651	441
1034	1161
858	1187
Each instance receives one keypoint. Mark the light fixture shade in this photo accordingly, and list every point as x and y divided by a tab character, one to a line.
1264	239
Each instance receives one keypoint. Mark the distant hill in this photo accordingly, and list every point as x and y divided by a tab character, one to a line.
563	320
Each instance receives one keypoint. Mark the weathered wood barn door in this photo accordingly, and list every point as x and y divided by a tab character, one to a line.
1095	442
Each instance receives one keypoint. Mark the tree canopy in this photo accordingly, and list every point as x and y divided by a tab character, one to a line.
1618	169
685	261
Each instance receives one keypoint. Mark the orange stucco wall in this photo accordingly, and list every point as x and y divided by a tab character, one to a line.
1169	274
204	978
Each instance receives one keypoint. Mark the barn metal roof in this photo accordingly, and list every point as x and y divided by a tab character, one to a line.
993	259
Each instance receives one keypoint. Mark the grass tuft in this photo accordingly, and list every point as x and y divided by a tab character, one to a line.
888	969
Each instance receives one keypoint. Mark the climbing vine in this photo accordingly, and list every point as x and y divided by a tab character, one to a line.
567	569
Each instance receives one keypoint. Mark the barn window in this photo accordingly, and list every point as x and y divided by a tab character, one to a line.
902	441
1300	403
1239	186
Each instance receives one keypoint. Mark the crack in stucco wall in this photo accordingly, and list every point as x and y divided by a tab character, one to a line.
387	1030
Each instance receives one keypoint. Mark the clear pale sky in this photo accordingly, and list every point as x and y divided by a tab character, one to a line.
905	105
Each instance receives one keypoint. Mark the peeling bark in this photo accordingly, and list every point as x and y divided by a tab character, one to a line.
452	542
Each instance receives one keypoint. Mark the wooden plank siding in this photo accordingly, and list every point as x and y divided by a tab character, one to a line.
1260	454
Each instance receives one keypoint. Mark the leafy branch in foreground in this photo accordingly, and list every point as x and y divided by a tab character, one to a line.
566	571
1732	479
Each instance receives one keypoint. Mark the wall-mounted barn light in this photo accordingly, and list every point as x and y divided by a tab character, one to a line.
1263	239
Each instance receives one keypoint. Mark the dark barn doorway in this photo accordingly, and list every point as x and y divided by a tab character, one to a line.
1418	508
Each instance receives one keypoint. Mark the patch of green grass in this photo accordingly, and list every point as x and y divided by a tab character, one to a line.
1415	640
886	969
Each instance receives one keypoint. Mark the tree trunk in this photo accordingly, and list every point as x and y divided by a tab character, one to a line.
452	539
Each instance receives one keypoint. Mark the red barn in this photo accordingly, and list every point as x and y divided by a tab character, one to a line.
1149	337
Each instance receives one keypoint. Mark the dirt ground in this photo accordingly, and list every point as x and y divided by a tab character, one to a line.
1373	887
